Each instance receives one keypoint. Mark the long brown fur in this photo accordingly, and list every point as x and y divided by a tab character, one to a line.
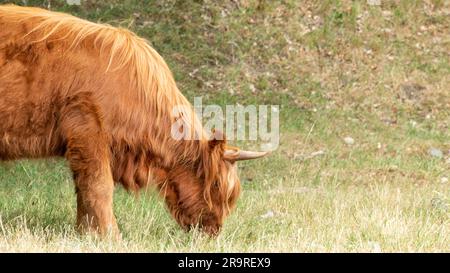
103	98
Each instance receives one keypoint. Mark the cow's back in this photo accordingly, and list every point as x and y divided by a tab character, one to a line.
50	60
37	80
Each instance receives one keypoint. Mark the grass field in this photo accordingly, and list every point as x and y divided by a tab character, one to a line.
378	74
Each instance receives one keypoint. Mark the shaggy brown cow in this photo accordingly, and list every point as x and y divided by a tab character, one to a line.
103	98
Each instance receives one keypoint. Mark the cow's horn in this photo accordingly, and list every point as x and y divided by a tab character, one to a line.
237	155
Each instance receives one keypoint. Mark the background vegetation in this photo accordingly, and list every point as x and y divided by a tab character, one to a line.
364	158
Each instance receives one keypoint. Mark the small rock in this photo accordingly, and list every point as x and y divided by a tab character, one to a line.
386	13
320	152
349	140
375	247
374	2
73	2
434	152
439	203
393	168
368	51
252	88
412	91
413	123
268	214
444	180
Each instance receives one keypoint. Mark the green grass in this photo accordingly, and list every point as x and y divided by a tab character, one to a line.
337	69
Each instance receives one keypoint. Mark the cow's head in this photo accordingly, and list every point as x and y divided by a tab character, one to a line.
205	194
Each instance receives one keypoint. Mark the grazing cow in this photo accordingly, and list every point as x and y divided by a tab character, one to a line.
103	98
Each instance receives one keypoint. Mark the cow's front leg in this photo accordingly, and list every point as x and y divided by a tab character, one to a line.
88	153
94	210
94	187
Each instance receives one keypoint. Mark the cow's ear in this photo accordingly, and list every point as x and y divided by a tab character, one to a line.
217	139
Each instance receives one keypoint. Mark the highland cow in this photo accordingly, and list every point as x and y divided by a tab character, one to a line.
102	98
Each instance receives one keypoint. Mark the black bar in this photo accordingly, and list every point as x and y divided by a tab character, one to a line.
228	262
